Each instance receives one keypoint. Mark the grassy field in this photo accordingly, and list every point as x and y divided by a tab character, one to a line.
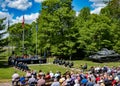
6	71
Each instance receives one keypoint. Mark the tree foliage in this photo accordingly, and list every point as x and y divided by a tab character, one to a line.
3	41
16	37
62	33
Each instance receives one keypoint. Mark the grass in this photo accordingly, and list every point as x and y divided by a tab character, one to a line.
6	71
49	67
77	63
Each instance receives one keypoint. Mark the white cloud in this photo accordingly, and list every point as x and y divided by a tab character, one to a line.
96	10
77	13
3	5
99	0
19	4
97	5
39	1
4	14
28	18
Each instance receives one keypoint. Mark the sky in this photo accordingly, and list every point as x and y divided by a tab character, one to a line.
15	9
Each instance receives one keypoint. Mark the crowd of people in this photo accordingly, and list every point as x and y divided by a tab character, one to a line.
63	62
95	76
12	60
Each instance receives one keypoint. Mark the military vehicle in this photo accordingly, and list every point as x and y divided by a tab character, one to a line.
105	55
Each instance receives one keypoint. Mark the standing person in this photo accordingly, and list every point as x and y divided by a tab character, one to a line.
55	83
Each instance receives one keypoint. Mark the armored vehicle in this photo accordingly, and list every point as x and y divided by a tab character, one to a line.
105	55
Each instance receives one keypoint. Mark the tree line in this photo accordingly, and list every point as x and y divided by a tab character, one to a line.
62	33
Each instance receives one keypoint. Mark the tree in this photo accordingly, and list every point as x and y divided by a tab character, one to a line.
95	32
16	37
3	41
55	26
112	9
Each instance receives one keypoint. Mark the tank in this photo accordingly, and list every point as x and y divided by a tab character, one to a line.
105	55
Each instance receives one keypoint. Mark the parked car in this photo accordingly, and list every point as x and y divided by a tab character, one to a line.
105	55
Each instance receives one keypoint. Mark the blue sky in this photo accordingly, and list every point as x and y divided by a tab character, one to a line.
14	9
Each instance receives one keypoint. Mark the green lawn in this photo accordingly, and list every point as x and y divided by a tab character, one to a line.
77	63
6	73
49	67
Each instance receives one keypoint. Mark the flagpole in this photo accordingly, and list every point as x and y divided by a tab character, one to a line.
8	42
36	42
23	41
36	37
23	34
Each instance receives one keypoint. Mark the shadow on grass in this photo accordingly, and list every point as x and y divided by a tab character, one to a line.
2	57
4	64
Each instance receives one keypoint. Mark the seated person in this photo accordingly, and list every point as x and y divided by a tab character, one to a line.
47	76
84	67
32	81
41	81
15	78
22	80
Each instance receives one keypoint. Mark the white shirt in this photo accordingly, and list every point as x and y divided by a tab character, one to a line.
28	74
14	76
51	74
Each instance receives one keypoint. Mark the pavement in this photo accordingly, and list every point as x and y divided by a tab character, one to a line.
6	84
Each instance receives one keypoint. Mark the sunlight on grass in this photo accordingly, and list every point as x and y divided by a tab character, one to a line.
49	67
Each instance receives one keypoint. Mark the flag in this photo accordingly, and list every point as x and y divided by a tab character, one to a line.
23	22
36	27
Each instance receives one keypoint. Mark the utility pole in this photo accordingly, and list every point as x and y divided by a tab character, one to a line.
36	37
8	42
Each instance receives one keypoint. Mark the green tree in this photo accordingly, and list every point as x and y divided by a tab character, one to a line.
16	37
55	27
112	9
3	41
95	32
